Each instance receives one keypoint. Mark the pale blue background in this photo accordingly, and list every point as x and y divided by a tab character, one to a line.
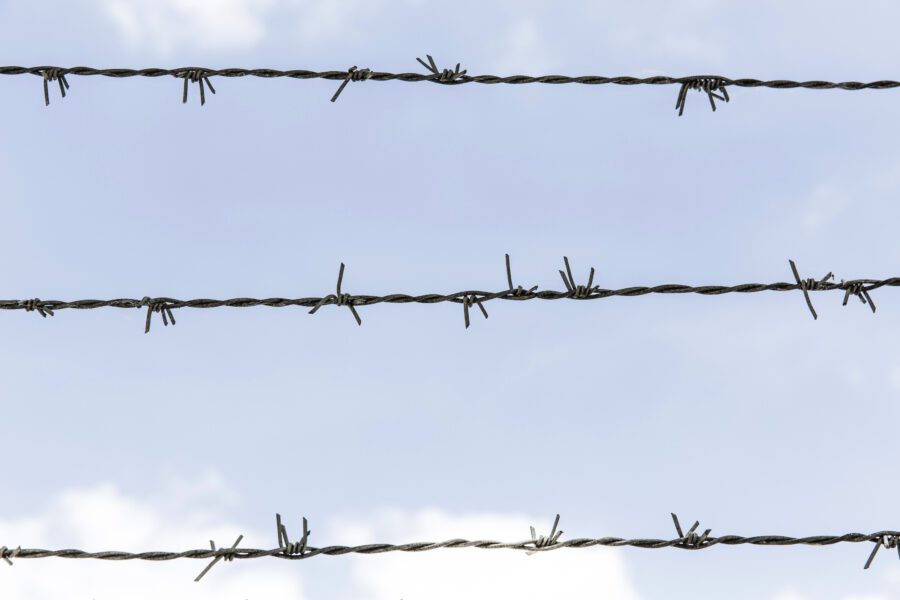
739	410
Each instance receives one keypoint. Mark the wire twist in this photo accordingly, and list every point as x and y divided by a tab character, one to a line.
35	304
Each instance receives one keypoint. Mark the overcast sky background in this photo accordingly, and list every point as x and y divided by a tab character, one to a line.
739	410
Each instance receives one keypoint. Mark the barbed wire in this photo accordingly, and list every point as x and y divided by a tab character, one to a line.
706	84
690	540
859	288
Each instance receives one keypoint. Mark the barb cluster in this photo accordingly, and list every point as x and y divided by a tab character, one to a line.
352	75
714	86
860	288
542	543
889	542
199	77
157	305
691	540
227	554
286	550
338	299
708	85
6	554
54	74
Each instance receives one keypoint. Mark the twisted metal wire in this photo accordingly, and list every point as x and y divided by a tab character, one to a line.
689	540
707	84
164	306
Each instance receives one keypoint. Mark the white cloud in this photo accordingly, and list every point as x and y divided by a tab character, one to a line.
164	26
101	517
167	26
476	574
790	594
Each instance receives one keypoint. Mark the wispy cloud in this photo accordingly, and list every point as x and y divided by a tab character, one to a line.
165	26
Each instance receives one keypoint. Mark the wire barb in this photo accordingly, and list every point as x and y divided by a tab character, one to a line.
442	76
467	301
578	291
708	84
338	299
159	306
222	553
36	304
545	542
889	542
6	554
514	291
691	539
287	548
352	75
198	76
857	288
54	74
808	285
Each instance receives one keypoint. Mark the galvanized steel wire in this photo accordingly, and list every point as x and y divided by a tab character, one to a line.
707	84
164	306
685	540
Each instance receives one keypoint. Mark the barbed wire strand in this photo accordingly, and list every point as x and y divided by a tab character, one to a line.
714	86
689	540
164	306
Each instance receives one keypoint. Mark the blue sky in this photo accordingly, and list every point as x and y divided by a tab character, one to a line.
739	411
